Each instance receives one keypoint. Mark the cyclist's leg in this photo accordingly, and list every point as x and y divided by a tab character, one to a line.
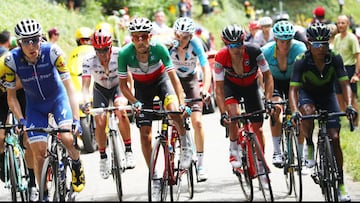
276	130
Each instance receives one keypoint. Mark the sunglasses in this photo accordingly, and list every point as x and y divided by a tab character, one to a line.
319	44
102	51
236	45
28	41
137	38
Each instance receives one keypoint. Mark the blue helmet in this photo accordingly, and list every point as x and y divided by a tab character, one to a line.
283	30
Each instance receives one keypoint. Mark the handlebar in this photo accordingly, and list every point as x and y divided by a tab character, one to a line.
110	108
244	116
48	130
9	126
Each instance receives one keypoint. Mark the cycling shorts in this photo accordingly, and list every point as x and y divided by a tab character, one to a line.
350	71
191	88
102	96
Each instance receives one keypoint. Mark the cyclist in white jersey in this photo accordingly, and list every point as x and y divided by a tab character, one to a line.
102	66
185	58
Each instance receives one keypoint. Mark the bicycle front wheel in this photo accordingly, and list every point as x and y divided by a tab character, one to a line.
243	175
117	169
331	173
158	183
12	171
49	182
292	168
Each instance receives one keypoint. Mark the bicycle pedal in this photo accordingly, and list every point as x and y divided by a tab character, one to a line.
315	178
238	171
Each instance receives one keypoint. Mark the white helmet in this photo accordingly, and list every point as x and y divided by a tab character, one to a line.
265	21
184	24
140	25
27	28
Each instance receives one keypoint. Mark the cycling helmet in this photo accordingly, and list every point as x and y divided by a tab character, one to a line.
232	34
83	32
281	17
101	39
140	25
283	30
318	32
27	28
319	11
184	24
105	26
265	21
254	25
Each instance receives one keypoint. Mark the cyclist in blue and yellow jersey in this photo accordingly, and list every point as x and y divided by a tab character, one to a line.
101	66
185	57
280	55
40	66
154	75
312	86
237	67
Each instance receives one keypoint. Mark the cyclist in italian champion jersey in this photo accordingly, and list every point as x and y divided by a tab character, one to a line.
236	75
41	68
102	67
185	57
154	75
280	55
312	86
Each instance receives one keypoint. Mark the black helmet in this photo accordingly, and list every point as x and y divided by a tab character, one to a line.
318	32
232	34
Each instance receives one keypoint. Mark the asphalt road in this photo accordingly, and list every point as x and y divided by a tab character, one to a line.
222	184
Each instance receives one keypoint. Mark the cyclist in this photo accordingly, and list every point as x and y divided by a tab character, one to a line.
40	67
154	75
102	67
236	74
185	57
311	87
265	34
280	55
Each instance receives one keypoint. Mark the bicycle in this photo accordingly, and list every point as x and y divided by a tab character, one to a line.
116	143
165	157
56	177
326	173
290	151
251	156
16	171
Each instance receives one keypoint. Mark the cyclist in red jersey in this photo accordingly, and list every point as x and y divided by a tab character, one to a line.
236	73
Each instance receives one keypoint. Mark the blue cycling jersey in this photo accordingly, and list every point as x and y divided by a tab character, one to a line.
269	51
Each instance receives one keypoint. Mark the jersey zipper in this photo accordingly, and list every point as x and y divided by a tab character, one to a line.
38	83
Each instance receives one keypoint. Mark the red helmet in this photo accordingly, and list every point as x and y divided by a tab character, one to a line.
319	11
101	38
254	24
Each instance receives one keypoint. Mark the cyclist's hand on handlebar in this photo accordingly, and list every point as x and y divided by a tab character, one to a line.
185	109
137	106
78	127
270	109
296	117
350	111
205	95
22	125
85	107
224	120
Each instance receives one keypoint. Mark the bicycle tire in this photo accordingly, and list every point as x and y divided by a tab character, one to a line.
159	165
331	173
255	147
295	165
243	175
49	180
69	192
88	134
12	172
116	164
23	177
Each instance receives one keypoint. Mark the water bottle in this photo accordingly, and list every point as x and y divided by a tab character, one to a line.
61	170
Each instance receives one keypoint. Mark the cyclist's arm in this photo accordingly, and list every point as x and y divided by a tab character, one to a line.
86	89
293	98
126	90
13	102
220	97
177	86
73	101
269	84
346	91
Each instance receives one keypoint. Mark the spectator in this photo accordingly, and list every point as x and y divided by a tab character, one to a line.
4	41
333	32
159	24
253	27
206	8
319	16
74	5
347	45
54	35
189	7
341	5
183	9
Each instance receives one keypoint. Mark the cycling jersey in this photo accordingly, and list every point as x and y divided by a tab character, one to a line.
93	67
253	59
159	61
260	40
269	51
75	63
194	52
307	76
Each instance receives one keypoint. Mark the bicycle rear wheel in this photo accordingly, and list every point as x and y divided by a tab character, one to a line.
292	168
331	173
116	167
244	177
49	187
158	183
264	186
